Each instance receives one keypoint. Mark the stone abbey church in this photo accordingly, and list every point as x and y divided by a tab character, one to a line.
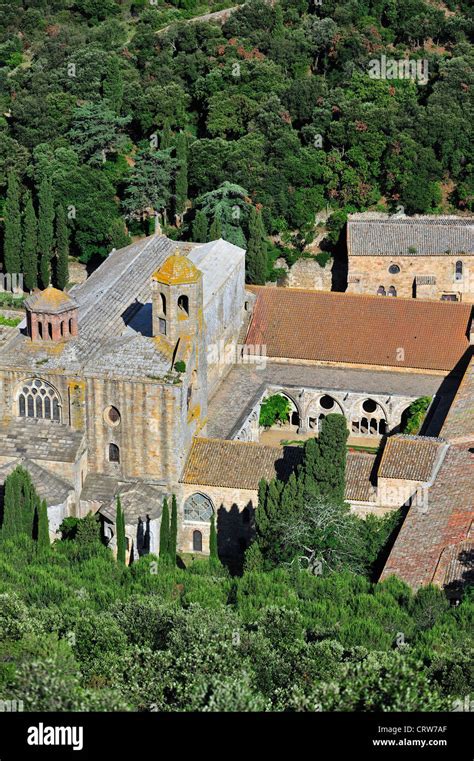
147	381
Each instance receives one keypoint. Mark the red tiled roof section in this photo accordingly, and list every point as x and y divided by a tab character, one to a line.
233	464
459	423
411	458
237	464
444	520
357	329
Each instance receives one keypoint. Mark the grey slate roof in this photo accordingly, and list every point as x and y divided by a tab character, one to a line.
138	500
115	316
375	234
38	439
50	487
215	260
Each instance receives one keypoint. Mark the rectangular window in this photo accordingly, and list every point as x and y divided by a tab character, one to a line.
162	326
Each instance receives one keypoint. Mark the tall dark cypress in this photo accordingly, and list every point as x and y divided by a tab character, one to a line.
12	223
45	230
200	228
30	245
11	517
43	527
256	249
213	553
181	180
173	540
61	268
120	529
165	532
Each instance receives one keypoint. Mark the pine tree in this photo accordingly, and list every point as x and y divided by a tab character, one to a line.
45	230
113	84
256	249
200	228
213	553
12	223
181	180
165	532
120	529
43	527
61	270
216	229
30	245
173	537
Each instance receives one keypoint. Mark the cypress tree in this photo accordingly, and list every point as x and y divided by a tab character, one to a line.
120	529
43	527
332	455
216	229
166	138
165	532
213	554
113	84
267	517
10	525
45	230
181	181
30	245
173	538
12	223
61	271
256	249
200	228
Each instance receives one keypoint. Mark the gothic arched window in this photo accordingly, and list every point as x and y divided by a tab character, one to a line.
381	291
458	270
40	400
198	508
392	291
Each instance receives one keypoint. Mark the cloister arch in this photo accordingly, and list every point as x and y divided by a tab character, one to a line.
317	410
368	418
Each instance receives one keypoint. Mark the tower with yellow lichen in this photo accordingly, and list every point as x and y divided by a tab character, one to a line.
177	299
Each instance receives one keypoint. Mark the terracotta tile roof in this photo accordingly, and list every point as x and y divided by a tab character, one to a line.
357	329
237	464
444	520
411	458
229	463
456	567
359	477
459	422
378	234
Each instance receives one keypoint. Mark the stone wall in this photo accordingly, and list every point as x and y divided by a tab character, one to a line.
305	273
233	533
367	273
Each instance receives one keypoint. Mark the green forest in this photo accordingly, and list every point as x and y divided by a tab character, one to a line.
83	630
115	112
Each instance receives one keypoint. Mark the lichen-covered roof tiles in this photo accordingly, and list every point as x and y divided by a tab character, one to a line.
50	300
176	270
411	458
378	234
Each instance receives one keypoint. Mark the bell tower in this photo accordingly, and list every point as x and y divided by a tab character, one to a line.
51	315
177	299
